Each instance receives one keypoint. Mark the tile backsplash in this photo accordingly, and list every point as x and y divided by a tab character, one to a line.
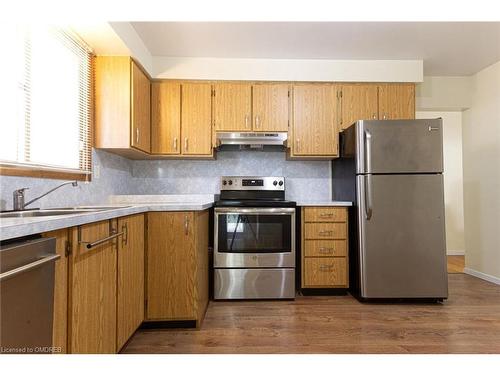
114	178
305	180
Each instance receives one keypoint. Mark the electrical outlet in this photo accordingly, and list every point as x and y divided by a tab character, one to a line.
97	171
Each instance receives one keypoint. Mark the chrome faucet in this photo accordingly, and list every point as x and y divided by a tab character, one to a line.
19	204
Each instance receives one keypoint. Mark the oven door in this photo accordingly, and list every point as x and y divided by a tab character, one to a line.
254	237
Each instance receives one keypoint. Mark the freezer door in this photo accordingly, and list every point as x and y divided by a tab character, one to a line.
402	250
399	146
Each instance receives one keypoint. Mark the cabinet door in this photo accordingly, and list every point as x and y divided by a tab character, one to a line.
165	118
92	282
358	102
130	287
60	325
233	107
196	119
315	130
141	102
270	108
396	101
171	268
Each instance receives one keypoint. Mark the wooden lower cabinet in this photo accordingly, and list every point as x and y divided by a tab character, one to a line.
130	280
177	266
325	258
60	323
92	287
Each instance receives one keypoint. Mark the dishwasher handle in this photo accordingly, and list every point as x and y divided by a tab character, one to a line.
28	267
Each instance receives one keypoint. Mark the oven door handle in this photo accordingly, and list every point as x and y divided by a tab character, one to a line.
256	211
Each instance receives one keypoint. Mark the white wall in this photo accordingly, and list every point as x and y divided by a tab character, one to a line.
453	179
288	70
481	162
438	93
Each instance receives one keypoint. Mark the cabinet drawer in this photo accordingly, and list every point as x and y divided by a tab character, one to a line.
325	214
325	248
325	272
329	231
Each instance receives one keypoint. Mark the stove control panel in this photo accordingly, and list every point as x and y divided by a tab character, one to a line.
252	183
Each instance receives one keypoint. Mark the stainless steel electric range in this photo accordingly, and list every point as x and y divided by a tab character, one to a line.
254	239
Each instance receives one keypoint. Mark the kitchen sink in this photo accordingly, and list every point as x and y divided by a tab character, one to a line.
42	213
58	211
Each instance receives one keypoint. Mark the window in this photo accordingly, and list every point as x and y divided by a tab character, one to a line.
47	126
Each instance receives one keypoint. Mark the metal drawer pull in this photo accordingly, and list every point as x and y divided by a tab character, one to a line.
325	267
28	267
325	215
325	250
186	225
125	234
325	232
113	235
175	143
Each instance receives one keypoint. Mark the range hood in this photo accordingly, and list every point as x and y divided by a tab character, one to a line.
252	140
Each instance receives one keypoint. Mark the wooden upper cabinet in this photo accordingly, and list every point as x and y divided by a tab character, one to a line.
130	280
270	107
92	286
314	129
196	119
233	107
396	101
141	109
165	118
122	106
358	102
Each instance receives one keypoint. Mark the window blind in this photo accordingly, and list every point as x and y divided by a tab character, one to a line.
49	125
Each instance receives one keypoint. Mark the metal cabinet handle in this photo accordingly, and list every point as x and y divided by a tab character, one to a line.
325	250
186	225
298	144
246	121
257	121
325	215
136	135
325	232
374	117
384	117
325	267
125	234
339	97
90	245
175	143
28	267
186	143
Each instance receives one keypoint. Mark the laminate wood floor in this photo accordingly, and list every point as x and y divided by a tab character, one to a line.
468	322
456	263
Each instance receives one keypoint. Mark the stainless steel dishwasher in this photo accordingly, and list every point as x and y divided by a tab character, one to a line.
27	270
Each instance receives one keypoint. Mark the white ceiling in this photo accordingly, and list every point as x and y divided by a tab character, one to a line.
452	49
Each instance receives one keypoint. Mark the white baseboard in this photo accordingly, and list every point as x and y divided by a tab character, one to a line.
484	276
455	252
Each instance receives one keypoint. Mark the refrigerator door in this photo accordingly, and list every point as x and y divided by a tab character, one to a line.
399	146
402	250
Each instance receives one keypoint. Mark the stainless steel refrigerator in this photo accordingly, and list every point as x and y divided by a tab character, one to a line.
393	172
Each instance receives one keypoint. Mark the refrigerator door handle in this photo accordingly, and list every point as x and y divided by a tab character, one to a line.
368	151
368	196
368	177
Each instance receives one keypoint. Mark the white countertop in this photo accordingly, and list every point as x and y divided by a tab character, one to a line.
18	227
324	203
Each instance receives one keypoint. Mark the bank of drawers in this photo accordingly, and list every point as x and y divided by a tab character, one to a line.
324	247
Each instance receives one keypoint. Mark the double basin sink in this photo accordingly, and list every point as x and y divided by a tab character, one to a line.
57	211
